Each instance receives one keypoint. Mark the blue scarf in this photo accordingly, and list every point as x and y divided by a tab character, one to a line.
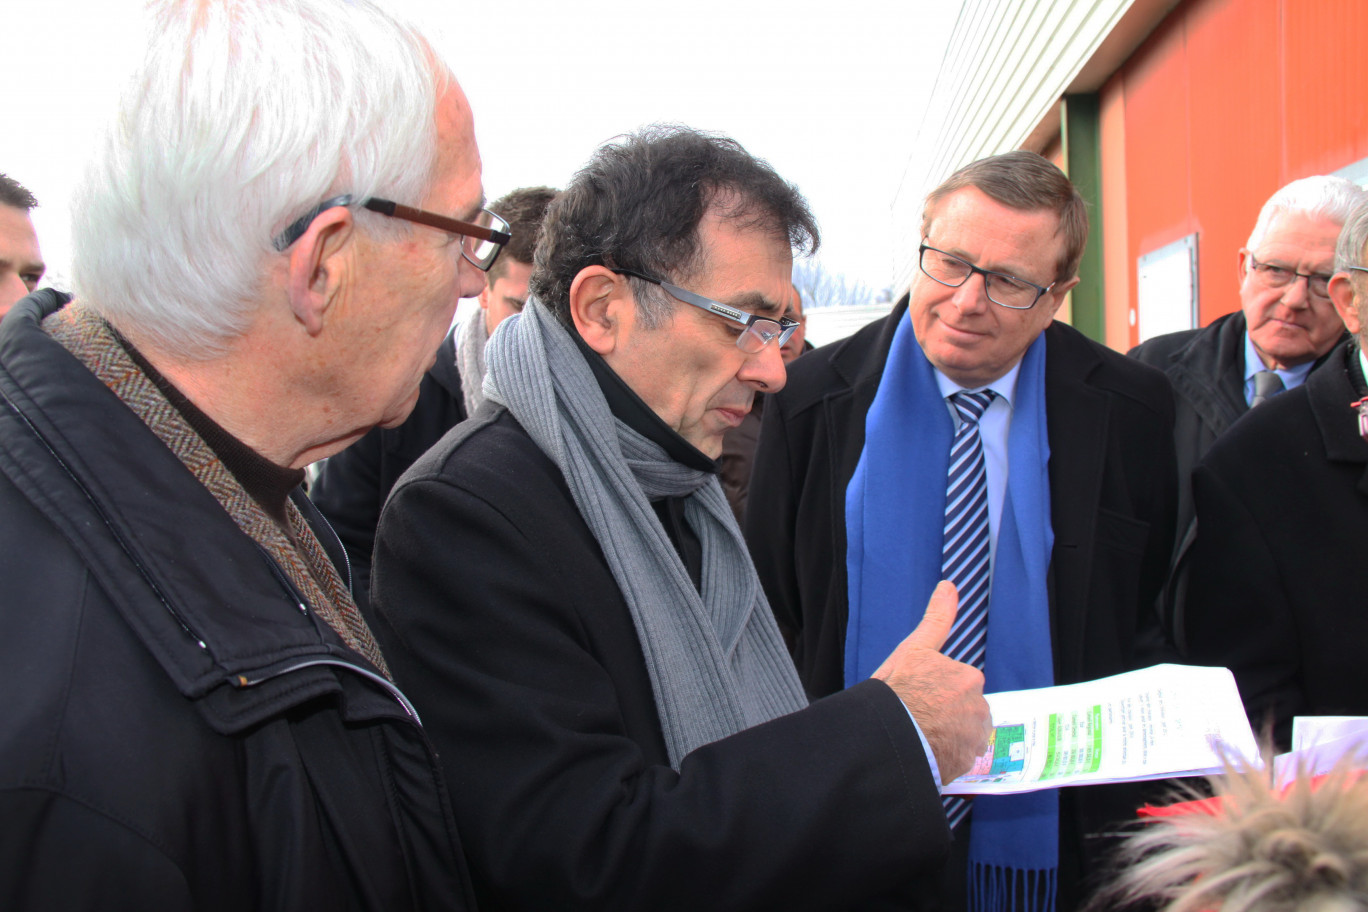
895	518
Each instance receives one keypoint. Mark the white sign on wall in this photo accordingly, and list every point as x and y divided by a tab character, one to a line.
1167	289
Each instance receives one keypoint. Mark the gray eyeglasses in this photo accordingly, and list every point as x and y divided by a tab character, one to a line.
759	331
1002	289
1275	275
481	240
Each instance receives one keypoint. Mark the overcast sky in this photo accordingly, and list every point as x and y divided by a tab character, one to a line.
831	94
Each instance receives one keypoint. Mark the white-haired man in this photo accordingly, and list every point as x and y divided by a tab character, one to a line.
1282	514
197	714
1284	328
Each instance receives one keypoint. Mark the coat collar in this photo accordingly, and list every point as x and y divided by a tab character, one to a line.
1208	371
1330	390
204	598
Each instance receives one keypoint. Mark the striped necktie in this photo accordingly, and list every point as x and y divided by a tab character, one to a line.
965	546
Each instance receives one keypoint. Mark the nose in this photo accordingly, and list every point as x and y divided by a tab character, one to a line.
971	296
1297	293
764	371
471	279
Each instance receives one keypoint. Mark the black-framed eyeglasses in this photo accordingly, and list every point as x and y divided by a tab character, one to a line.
481	240
759	331
1275	276
1002	289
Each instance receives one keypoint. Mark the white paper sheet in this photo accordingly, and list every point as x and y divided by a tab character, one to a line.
1162	721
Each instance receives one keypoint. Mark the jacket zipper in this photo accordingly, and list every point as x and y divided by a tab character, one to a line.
243	680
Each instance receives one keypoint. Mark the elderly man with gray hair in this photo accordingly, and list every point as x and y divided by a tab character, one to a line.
197	715
1282	509
1283	330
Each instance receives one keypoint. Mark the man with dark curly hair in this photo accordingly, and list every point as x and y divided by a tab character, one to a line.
562	587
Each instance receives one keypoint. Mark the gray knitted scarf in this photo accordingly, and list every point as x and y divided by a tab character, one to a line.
716	661
471	337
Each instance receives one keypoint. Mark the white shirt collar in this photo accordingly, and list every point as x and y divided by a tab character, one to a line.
1004	386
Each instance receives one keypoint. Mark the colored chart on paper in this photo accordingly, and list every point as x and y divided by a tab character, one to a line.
1075	743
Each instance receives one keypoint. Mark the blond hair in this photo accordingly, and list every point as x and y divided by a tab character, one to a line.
1262	849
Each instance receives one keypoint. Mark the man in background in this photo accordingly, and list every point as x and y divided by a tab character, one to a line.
1276	580
1285	327
352	486
738	447
21	262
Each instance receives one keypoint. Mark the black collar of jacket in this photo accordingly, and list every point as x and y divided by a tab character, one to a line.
1208	370
1330	393
207	602
629	408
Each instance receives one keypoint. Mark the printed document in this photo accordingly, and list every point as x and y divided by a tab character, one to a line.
1156	723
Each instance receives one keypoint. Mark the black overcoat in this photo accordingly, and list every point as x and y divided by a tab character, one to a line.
1277	589
523	659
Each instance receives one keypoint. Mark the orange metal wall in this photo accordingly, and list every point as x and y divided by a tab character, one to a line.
1225	102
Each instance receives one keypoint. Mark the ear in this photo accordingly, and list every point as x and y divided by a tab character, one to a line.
601	304
1342	296
1058	292
1241	266
320	265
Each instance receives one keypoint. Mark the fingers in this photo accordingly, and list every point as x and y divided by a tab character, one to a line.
935	625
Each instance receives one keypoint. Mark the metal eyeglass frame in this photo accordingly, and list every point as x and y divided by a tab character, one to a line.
496	233
1254	264
1040	289
750	321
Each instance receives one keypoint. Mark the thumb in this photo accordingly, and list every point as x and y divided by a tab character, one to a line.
935	625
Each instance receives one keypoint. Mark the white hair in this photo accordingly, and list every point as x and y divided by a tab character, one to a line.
1352	240
1322	195
245	115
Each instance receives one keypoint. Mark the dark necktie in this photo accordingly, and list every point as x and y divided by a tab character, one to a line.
965	546
1266	383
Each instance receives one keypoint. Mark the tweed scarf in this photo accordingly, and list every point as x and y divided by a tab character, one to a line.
84	334
715	657
471	338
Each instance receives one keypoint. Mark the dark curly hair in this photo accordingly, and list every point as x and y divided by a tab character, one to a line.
523	209
638	202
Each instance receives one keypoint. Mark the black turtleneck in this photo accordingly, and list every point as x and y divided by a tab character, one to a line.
267	483
629	408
